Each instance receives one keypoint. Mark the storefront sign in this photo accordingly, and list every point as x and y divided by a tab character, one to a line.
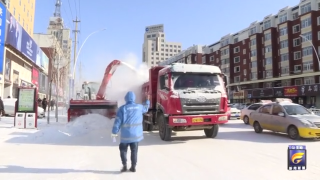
262	93
2	35
290	91
18	38
278	92
309	90
238	95
35	77
25	84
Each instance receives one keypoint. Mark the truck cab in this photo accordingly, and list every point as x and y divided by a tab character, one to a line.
186	97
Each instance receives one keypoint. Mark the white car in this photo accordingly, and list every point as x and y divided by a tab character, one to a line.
9	107
234	113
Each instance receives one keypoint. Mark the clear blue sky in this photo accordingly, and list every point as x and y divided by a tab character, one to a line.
186	21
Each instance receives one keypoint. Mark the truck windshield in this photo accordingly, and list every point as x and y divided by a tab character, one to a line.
185	80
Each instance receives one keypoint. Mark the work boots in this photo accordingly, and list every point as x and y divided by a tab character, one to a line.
124	169
133	169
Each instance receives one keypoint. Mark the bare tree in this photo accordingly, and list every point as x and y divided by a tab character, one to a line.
56	65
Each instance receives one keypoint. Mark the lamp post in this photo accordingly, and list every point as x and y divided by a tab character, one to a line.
315	51
76	58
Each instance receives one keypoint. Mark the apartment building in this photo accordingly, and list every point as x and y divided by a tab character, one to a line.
275	57
155	47
23	11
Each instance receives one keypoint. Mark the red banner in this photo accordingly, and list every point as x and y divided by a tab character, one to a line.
35	77
290	91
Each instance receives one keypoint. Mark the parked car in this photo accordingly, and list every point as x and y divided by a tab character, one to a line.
283	116
9	107
233	112
245	112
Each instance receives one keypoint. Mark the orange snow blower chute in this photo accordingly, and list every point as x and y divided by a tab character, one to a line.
99	105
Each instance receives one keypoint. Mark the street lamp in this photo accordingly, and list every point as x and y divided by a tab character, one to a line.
76	59
75	62
315	51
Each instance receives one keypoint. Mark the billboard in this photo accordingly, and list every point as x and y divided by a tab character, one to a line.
28	46
42	60
2	35
18	38
35	77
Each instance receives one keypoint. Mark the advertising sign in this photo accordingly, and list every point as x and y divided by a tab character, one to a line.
18	38
291	91
35	77
28	46
26	100
278	92
14	32
310	90
262	93
238	95
3	14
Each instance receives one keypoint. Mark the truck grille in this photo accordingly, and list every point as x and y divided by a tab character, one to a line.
191	106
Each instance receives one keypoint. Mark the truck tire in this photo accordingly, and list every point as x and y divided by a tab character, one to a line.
164	130
213	132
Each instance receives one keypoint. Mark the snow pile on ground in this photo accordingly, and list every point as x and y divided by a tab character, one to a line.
88	124
82	130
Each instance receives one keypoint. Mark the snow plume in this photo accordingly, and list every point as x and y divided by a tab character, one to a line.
128	77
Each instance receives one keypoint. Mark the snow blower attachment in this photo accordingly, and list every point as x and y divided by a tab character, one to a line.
86	104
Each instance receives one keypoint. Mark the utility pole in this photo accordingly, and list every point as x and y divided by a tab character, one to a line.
57	87
76	31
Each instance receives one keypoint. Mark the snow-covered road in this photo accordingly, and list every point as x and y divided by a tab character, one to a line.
236	153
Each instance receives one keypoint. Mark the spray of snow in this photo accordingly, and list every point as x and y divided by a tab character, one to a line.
128	77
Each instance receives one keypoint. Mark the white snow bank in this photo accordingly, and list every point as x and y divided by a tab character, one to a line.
82	129
88	124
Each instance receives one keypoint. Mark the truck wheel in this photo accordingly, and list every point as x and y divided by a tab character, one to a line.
213	132
164	130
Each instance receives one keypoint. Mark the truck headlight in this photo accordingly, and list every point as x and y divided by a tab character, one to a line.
308	123
179	121
223	118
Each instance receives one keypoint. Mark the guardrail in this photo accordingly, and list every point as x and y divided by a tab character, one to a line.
315	111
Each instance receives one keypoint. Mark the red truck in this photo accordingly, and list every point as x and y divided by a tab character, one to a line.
185	97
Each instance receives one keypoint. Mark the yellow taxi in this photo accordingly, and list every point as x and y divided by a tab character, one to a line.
283	116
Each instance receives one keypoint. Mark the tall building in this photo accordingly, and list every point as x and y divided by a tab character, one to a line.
59	37
23	11
155	47
275	57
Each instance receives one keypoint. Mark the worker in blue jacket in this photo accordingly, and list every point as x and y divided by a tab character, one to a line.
129	120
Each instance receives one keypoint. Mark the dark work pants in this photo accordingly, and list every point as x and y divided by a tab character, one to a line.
123	147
